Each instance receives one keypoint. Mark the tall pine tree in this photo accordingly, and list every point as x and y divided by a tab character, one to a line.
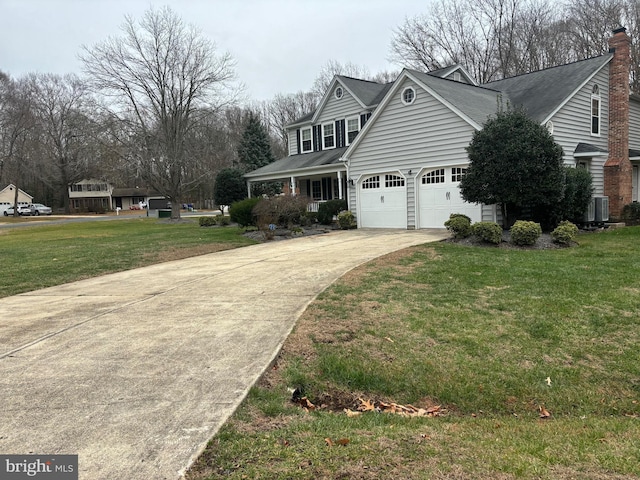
254	150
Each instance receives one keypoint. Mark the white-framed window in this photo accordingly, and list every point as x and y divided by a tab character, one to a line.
353	127
457	77
393	181
371	182
306	139
595	111
434	176
408	96
339	92
457	173
328	136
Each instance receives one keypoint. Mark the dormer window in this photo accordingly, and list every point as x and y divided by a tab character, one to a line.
339	92
408	96
328	136
595	111
306	140
457	77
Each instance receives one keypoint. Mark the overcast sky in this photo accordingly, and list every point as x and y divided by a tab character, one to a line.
279	45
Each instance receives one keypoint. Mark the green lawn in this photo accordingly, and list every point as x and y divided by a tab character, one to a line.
41	256
491	335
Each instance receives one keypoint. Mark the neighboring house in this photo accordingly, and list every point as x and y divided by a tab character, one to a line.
90	195
98	196
396	152
131	198
8	196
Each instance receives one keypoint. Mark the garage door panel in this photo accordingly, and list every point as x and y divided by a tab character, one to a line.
439	200
383	207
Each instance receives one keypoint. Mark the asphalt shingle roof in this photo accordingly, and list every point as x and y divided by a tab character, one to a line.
298	162
541	92
477	103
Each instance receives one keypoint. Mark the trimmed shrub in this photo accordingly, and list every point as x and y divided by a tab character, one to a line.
631	214
207	221
459	225
489	232
242	212
524	232
329	209
454	215
565	233
223	220
346	220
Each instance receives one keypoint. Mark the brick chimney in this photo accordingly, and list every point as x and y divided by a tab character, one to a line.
617	169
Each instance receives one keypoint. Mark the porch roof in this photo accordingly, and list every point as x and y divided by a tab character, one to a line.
304	163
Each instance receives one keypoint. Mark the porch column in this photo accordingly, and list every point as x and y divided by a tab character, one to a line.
340	193
248	189
293	186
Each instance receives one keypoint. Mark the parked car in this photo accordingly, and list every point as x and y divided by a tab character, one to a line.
39	209
24	210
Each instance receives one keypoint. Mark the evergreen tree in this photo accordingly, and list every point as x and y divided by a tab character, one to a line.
514	162
254	150
230	187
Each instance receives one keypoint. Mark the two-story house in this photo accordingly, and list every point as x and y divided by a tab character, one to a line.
396	152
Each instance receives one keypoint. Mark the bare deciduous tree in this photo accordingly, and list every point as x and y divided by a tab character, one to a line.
161	79
17	126
333	68
63	108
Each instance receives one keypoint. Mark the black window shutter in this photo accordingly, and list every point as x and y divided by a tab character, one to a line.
363	119
340	133
298	137
314	133
308	188
368	115
324	189
319	135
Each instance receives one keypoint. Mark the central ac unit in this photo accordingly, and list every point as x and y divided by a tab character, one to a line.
590	214
601	209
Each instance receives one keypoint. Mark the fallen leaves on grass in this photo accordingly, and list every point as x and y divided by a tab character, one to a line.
305	403
544	413
395	408
343	441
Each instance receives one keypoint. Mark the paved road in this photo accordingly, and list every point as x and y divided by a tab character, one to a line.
137	370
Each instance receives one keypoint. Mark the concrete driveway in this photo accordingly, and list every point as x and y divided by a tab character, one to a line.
136	371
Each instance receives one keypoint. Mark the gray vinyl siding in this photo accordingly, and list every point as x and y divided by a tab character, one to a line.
293	142
338	109
572	125
411	137
634	124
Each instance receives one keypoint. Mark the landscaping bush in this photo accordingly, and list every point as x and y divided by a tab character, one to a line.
631	214
346	220
565	233
525	233
459	225
223	220
454	215
489	232
328	210
207	221
282	210
242	212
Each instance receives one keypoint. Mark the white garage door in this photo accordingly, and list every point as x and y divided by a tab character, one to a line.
383	201
439	197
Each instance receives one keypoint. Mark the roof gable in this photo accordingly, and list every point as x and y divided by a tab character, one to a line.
363	91
447	72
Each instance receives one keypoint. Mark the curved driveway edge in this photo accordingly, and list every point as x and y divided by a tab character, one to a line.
136	371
